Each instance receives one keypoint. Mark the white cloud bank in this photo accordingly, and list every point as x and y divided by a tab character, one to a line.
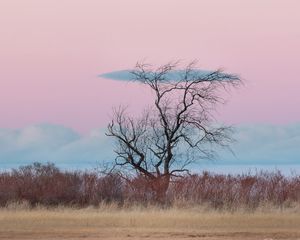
256	145
53	143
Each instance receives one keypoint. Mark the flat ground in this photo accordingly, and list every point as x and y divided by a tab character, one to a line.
156	224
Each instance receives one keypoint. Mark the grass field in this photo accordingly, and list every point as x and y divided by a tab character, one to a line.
111	223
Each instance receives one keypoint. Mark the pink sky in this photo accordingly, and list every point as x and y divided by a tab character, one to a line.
51	52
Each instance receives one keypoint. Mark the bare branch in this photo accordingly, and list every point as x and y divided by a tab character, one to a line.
166	139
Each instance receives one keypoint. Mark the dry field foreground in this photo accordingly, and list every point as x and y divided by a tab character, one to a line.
146	224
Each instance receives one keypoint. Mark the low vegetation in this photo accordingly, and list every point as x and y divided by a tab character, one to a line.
110	222
48	186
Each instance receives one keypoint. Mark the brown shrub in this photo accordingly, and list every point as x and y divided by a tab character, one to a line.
47	185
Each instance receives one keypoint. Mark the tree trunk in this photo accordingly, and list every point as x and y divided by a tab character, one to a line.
160	187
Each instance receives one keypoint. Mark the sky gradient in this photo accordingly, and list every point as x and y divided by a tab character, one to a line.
54	106
53	51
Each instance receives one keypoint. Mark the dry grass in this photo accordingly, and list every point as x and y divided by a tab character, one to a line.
109	222
205	206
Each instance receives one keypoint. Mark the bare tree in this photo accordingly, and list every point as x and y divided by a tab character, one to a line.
178	129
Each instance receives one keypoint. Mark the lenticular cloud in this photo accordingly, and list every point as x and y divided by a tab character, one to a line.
176	75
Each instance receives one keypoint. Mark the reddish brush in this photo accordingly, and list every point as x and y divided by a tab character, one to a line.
47	185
